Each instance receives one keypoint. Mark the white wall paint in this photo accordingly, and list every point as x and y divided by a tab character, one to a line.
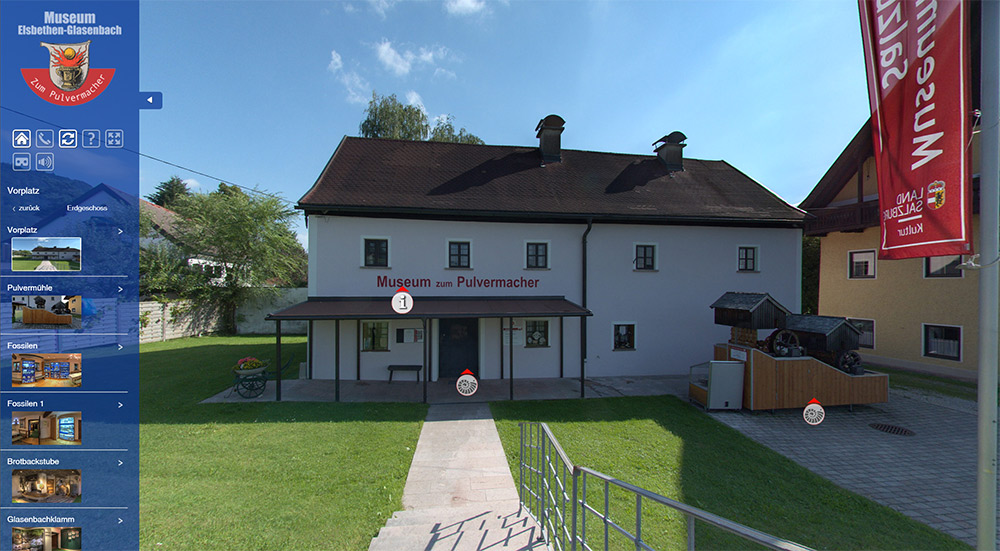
674	324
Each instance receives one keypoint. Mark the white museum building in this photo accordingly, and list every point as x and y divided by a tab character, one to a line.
558	263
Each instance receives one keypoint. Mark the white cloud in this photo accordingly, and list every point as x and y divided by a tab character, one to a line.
358	89
393	60
350	8
413	98
401	62
303	238
335	62
191	183
465	7
444	73
430	55
381	6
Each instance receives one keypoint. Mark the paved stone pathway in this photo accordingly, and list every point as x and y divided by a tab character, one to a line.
930	476
45	266
459	492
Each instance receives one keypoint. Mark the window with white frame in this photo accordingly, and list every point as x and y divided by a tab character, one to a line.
375	336
942	266
624	336
536	333
747	257
537	255
867	327
645	257
376	253
861	265
943	341
459	254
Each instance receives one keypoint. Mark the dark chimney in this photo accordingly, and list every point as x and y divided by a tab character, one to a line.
549	130
670	150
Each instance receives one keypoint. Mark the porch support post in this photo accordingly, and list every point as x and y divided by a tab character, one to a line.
310	349
510	340
427	339
583	355
277	368
357	351
501	348
561	346
336	360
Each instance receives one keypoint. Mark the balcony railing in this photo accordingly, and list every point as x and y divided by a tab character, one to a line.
847	218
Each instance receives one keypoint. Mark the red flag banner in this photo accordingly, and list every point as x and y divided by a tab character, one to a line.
917	54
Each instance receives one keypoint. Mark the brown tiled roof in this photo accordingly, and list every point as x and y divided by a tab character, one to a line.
411	178
42	249
163	219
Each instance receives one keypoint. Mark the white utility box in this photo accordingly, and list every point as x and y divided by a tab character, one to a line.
717	384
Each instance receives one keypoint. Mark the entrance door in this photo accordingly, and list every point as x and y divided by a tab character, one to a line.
459	347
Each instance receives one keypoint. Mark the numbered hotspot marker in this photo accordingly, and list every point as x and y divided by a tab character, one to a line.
467	385
813	413
402	302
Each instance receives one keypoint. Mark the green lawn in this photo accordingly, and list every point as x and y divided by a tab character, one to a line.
899	378
671	448
261	475
28	264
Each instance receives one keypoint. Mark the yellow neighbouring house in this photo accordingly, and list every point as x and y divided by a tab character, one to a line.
919	314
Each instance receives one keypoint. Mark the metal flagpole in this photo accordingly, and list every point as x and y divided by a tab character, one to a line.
989	279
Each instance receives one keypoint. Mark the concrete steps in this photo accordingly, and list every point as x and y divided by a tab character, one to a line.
459	493
475	528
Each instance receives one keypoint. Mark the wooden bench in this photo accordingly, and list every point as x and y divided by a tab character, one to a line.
414	368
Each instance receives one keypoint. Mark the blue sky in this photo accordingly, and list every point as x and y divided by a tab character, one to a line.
28	243
260	93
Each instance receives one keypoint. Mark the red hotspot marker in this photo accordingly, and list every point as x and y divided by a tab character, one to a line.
402	290
467	372
814	401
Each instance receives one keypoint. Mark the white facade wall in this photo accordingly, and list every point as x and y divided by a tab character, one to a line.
418	249
54	255
674	326
669	306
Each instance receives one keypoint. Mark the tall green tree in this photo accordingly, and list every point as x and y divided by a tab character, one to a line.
164	271
444	131
387	117
168	193
250	235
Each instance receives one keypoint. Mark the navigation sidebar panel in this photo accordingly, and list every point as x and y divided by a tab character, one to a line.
69	275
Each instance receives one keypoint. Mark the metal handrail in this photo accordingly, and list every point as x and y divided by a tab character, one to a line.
554	523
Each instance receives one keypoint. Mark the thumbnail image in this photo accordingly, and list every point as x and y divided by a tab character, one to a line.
46	486
47	312
46	370
45	254
46	428
49	538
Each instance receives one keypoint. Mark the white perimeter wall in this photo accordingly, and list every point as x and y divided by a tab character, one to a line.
670	306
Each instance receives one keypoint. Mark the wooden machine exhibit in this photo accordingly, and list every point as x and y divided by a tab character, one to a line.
804	357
